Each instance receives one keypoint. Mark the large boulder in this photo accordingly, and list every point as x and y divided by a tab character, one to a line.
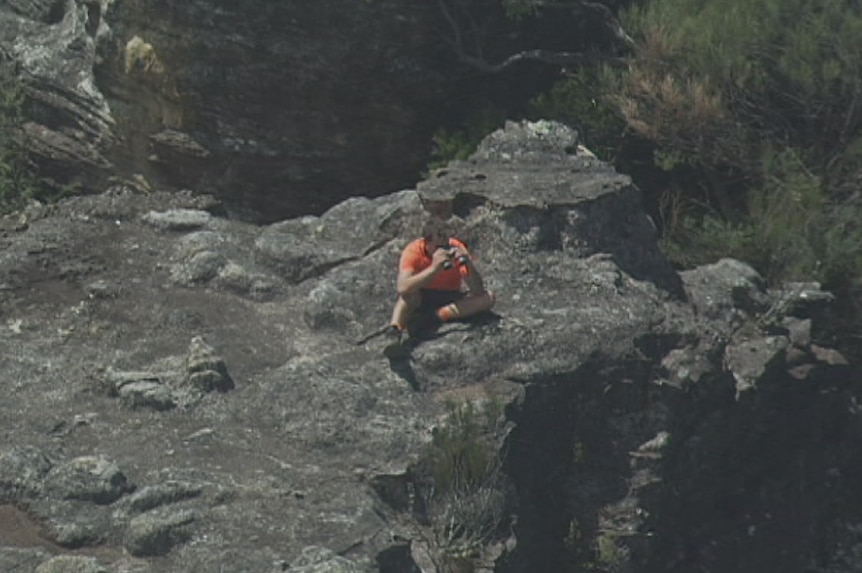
626	416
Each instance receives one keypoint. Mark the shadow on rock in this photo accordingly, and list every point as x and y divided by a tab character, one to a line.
425	328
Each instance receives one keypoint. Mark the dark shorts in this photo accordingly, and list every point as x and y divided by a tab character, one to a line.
434	299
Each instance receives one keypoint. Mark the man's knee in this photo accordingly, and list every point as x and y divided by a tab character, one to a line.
485	301
491	298
482	302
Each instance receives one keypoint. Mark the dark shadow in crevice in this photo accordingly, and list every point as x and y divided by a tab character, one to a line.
464	203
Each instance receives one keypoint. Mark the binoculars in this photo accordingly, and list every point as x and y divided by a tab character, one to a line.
461	260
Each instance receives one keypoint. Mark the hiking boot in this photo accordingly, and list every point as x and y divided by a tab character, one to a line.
392	335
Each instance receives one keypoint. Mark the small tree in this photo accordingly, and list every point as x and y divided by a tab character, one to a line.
449	144
755	111
17	183
580	101
463	485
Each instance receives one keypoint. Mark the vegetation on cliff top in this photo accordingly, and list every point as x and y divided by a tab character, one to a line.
742	124
16	182
752	113
741	121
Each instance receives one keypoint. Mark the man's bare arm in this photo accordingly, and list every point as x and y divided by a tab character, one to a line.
408	281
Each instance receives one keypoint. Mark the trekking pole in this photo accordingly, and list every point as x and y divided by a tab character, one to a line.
374	334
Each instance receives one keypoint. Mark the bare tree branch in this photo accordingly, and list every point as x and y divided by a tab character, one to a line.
611	22
456	30
544	56
461	24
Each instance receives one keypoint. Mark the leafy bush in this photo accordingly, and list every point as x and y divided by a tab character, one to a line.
839	245
787	68
716	81
784	214
451	144
461	456
610	555
518	9
753	112
16	182
579	101
787	233
465	501
696	239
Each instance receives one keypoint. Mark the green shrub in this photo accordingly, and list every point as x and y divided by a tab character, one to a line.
838	245
462	457
464	500
17	182
519	9
699	239
610	556
784	214
788	231
449	144
579	100
752	111
716	80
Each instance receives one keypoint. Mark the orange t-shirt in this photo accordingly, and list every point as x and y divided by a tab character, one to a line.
414	259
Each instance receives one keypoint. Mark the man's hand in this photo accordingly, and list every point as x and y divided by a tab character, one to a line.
439	259
461	255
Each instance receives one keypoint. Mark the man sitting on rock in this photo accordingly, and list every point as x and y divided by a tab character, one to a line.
436	274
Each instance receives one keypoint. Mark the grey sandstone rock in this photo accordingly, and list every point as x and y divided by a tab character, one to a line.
321	560
194	242
71	564
156	495
21	559
667	410
141	389
307	247
750	360
178	219
717	289
799	331
198	268
72	524
156	532
206	370
239	279
21	472
147	394
88	478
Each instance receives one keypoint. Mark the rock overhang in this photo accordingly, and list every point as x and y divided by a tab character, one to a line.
552	169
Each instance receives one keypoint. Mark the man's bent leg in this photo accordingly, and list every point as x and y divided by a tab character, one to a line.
403	307
467	306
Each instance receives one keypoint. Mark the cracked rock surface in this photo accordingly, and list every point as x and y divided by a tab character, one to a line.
184	392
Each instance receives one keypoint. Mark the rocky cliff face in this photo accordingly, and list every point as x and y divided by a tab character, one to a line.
186	393
277	107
